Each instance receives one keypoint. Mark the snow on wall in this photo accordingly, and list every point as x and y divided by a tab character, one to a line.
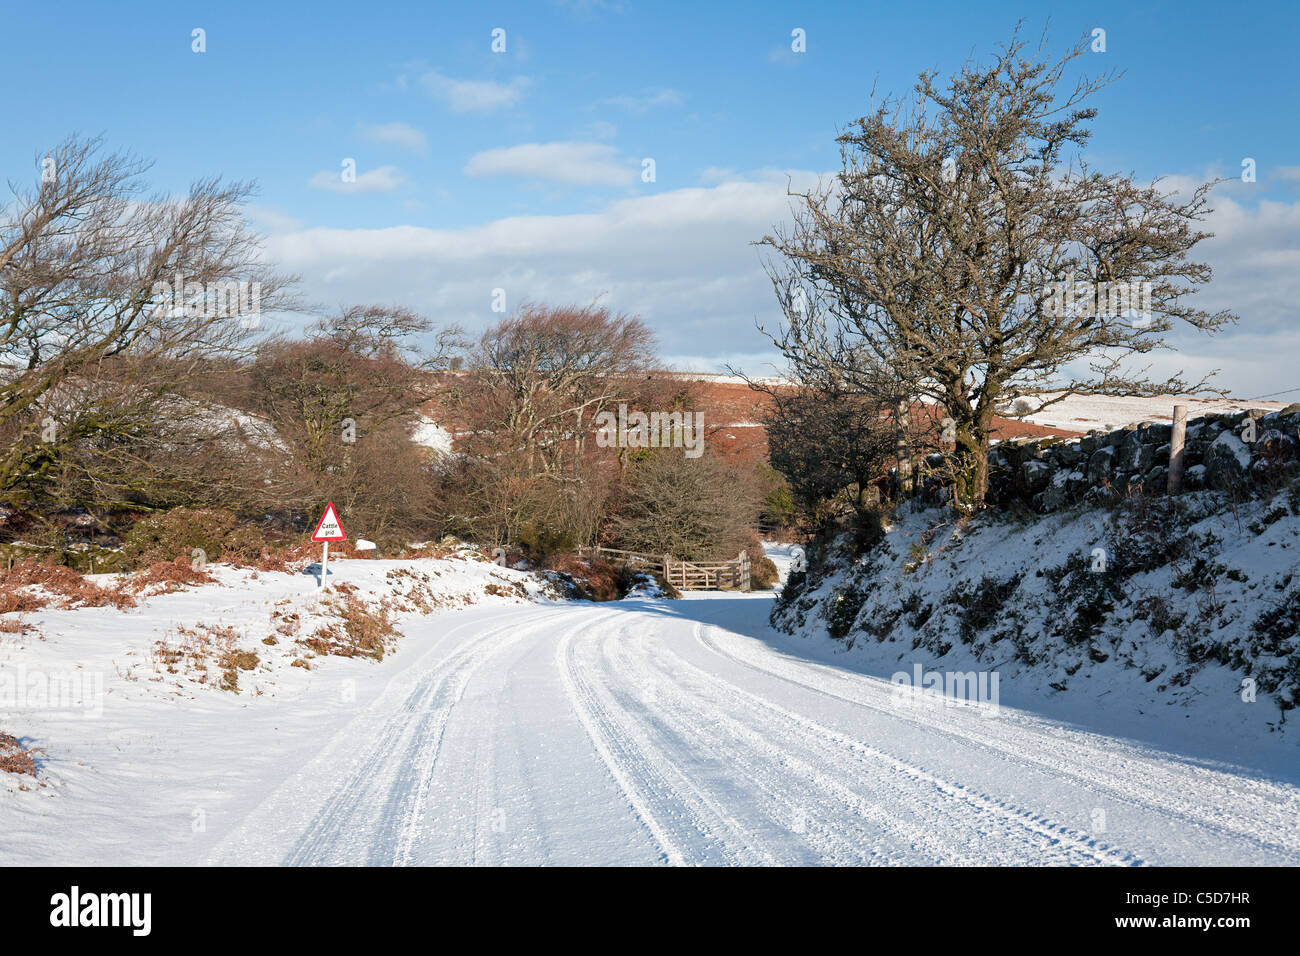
1085	413
1220	453
1190	602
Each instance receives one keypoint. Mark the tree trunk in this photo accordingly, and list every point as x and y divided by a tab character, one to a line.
971	484
902	451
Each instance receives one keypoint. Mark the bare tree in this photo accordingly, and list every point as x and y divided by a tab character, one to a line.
110	301
965	244
525	405
343	403
694	509
353	374
545	373
390	332
832	443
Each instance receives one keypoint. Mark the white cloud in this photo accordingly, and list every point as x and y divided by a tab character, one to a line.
573	162
680	259
712	175
396	134
1288	174
474	96
381	180
683	261
273	219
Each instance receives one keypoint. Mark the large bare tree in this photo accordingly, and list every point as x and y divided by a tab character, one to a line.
694	509
524	407
344	401
110	301
353	374
967	254
546	372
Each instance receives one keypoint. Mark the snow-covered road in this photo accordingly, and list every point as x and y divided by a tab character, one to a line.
687	732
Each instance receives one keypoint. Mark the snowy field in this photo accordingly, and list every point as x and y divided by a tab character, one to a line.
636	732
1084	413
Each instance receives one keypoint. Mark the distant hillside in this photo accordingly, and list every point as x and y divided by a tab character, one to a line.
734	413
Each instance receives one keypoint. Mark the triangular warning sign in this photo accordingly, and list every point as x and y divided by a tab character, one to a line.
329	528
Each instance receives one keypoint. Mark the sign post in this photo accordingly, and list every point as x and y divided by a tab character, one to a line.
327	529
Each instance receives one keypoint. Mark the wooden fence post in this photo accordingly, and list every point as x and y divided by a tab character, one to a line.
744	570
1177	438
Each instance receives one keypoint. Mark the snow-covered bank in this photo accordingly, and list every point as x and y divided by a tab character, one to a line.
1164	620
95	687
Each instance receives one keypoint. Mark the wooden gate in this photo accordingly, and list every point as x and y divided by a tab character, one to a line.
695	576
683	575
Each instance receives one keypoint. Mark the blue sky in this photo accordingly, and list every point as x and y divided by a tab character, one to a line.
521	170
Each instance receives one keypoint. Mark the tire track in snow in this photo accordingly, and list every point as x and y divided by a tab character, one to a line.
1049	841
772	777
400	765
845	765
413	785
1149	786
655	786
376	743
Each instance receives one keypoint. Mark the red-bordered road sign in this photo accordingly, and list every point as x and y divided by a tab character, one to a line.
329	528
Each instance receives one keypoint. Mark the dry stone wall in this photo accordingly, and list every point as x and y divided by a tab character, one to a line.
1221	452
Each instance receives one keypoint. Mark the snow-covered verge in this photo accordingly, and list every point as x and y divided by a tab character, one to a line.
1154	609
781	553
70	673
646	587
